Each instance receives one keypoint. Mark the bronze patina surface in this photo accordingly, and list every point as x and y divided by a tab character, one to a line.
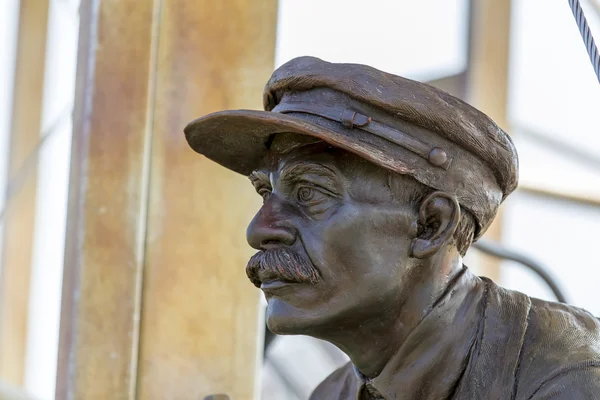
374	187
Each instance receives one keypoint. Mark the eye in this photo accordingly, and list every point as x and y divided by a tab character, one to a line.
305	194
264	193
309	196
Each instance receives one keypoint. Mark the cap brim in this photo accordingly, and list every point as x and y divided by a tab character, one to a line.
238	139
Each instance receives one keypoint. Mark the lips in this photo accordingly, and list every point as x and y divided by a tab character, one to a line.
266	276
275	285
272	282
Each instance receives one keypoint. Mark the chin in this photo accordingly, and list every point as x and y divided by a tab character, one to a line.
285	319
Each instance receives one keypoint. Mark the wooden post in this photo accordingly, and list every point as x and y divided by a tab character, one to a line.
107	197
200	321
488	84
145	70
19	215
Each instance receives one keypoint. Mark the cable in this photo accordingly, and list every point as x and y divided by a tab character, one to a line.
499	251
21	175
586	35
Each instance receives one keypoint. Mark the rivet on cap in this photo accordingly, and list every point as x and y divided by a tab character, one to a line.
438	157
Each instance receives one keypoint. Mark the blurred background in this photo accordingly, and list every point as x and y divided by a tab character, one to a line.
121	278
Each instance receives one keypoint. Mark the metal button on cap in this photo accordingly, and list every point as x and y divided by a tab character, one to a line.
438	157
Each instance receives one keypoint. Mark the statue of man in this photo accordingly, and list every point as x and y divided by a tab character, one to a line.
374	187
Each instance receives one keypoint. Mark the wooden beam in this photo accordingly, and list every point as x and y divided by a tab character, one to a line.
489	58
201	316
201	326
488	84
573	199
19	214
107	197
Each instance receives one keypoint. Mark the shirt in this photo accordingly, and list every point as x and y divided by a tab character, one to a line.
482	341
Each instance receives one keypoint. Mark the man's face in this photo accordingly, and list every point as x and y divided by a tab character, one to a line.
334	243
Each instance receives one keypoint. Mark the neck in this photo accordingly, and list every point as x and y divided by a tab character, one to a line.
372	340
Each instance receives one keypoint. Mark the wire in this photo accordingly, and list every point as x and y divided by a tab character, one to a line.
498	251
15	184
586	35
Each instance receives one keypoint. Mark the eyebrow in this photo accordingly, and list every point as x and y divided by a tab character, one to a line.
297	171
259	179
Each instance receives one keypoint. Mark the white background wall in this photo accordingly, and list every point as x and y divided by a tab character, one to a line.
418	39
52	191
53	168
554	93
9	26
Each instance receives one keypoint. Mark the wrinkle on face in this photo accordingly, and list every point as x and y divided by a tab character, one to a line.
355	233
315	174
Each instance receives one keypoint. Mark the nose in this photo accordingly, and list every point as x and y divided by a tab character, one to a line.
268	228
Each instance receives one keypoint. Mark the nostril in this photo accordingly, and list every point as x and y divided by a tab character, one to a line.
268	244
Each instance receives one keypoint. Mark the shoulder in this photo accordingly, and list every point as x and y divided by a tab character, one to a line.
558	332
342	384
561	352
577	382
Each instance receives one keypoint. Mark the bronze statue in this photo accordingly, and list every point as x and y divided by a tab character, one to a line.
374	187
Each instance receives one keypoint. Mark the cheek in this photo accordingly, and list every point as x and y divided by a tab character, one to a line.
366	244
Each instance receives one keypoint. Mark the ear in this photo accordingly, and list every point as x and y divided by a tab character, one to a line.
439	216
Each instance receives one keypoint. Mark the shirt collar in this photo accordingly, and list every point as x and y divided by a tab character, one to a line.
433	358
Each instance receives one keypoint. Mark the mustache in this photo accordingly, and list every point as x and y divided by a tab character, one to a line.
282	264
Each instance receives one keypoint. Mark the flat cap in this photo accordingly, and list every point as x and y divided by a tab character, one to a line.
405	126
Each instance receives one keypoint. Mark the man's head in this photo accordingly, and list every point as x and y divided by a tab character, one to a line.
371	183
341	239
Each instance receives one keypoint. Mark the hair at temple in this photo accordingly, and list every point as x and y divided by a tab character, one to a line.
406	188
